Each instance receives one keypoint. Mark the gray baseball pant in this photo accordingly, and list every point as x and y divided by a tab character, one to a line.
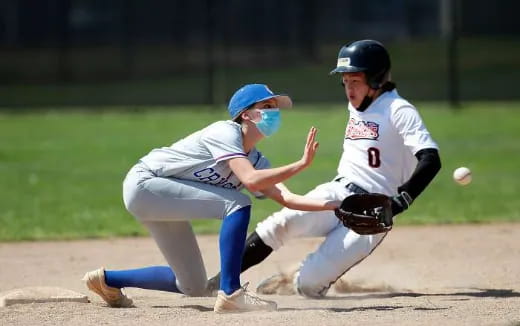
165	206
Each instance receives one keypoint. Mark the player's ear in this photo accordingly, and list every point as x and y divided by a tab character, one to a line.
245	115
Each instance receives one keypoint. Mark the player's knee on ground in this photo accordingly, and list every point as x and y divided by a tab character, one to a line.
193	290
308	287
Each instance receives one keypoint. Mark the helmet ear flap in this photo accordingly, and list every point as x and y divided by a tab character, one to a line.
377	80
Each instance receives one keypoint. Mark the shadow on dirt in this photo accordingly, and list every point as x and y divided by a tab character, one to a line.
355	309
339	310
197	307
472	293
475	293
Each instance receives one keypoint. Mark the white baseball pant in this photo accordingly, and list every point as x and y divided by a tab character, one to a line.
340	251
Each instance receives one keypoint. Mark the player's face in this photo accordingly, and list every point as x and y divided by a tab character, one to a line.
356	87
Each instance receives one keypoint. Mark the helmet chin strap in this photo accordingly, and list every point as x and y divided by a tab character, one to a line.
367	100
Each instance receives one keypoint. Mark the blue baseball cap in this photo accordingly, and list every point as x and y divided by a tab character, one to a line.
254	93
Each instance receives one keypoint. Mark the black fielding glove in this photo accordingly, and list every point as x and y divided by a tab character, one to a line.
366	213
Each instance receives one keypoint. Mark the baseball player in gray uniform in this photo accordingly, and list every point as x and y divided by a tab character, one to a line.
386	149
200	177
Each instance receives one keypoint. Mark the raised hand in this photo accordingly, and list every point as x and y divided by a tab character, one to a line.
311	146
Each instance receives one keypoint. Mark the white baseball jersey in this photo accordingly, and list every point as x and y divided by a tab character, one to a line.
202	156
380	144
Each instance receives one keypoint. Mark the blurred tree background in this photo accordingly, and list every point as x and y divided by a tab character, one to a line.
167	52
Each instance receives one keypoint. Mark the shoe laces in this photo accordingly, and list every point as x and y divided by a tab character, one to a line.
251	298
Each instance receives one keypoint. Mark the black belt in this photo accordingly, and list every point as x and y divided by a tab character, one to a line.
353	187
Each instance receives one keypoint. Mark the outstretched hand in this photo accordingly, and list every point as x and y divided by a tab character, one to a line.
311	146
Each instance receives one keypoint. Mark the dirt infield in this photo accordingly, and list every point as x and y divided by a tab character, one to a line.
467	275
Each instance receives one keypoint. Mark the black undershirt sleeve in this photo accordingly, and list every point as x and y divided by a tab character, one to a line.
427	167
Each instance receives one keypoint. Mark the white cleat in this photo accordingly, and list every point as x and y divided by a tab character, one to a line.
95	281
241	301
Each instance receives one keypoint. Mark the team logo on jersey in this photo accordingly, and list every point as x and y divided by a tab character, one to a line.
209	175
362	130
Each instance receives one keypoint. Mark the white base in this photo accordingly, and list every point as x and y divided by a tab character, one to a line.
40	294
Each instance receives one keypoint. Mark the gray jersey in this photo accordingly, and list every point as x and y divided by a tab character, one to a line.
186	181
202	156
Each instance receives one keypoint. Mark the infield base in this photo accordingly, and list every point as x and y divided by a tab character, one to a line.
40	294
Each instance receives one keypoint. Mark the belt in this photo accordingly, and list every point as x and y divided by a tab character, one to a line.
353	187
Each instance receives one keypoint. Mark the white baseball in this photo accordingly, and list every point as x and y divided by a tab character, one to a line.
462	175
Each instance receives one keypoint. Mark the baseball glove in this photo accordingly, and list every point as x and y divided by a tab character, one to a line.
366	213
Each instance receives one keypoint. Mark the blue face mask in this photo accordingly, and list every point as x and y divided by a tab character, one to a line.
270	122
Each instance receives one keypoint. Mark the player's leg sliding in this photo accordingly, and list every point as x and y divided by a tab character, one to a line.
231	297
254	253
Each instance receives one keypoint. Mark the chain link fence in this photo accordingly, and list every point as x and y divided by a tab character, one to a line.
137	52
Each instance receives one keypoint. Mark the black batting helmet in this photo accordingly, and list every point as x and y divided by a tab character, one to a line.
366	56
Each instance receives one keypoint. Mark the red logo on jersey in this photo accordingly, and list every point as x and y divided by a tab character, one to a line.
362	130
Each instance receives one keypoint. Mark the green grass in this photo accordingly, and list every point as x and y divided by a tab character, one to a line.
61	173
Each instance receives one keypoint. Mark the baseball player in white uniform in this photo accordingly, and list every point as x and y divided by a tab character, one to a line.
201	176
386	149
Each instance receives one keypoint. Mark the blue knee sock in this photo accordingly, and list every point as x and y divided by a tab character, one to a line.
159	278
232	242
